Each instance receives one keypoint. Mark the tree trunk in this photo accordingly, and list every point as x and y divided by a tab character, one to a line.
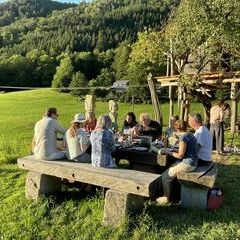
206	101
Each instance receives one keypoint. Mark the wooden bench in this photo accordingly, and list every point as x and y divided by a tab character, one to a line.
127	189
195	186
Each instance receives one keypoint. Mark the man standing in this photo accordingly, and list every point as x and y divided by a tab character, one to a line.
45	137
203	137
217	126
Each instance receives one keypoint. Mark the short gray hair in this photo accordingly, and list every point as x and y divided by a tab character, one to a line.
197	117
145	116
104	121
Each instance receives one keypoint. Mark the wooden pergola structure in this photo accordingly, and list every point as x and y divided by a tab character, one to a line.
213	80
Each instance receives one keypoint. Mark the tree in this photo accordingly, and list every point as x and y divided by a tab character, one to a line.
121	57
63	76
104	79
78	81
145	58
206	29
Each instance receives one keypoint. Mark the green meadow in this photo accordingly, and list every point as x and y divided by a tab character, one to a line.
71	215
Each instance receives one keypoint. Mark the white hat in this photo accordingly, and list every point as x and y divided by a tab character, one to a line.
79	118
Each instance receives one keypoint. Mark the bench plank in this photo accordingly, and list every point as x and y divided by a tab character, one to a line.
126	180
207	180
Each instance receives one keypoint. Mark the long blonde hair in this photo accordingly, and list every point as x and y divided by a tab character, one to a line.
73	129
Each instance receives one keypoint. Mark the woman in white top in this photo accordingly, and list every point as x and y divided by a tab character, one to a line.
76	140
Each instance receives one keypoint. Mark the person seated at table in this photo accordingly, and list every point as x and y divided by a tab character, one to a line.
129	122
102	141
203	137
76	140
149	127
91	122
171	131
44	143
187	155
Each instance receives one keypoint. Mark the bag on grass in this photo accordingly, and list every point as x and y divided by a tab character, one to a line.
215	198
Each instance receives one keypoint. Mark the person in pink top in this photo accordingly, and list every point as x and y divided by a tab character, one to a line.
91	122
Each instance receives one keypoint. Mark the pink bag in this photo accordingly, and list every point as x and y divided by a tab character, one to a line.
215	198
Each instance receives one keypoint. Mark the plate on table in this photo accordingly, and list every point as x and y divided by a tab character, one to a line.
140	149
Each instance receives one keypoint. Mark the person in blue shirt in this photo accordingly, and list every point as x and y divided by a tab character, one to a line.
102	141
187	159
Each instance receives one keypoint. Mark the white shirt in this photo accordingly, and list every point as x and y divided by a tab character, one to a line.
45	137
77	145
204	139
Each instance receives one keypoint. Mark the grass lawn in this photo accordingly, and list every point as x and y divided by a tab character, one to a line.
72	216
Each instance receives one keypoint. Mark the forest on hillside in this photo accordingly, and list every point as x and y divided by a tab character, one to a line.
45	43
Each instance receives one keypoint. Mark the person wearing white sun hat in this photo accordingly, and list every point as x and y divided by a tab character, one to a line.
77	141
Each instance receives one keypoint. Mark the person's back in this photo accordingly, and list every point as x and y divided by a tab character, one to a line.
102	146
204	139
76	146
45	137
190	155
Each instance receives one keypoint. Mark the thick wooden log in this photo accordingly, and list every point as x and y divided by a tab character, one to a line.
195	185
118	205
171	103
234	108
155	100
131	181
194	179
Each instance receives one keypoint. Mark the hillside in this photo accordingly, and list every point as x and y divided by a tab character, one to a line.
13	10
101	24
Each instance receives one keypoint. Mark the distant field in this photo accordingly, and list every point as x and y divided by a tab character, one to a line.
73	216
19	111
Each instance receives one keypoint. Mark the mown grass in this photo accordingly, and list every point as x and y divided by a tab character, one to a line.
70	215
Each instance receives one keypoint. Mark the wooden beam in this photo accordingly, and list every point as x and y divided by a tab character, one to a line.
234	106
155	100
171	103
169	84
206	82
238	94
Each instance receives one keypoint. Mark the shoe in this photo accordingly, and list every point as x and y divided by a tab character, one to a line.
162	201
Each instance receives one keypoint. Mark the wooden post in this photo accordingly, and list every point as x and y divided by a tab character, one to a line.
171	89
155	100
234	106
182	99
206	118
186	110
171	103
132	103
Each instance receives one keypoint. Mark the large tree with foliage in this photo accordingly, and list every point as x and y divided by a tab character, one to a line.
64	73
145	58
206	29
